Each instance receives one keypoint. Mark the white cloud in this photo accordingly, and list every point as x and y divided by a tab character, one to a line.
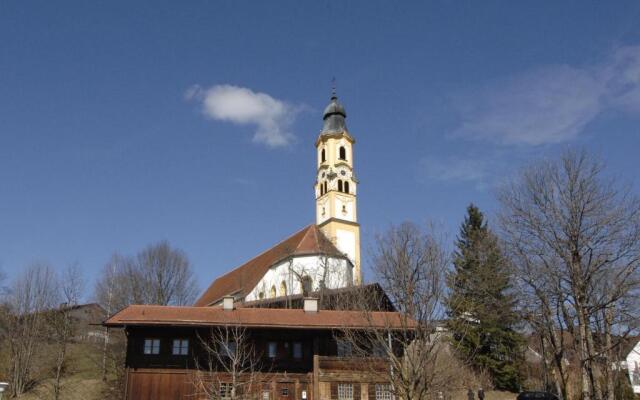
551	104
242	106
453	168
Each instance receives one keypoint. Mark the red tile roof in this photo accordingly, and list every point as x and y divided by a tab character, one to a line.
138	315
241	280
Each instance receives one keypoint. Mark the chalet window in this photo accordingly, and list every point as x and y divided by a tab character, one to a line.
345	391
228	349
225	390
378	350
344	348
285	392
383	392
180	347
272	349
297	350
152	346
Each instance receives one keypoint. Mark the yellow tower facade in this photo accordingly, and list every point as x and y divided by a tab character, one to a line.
336	186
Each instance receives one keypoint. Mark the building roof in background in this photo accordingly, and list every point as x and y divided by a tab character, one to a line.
145	315
240	281
369	296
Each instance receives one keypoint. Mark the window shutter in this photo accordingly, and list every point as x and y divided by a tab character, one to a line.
356	391
334	391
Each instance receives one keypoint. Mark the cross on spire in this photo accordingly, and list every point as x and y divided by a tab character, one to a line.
333	88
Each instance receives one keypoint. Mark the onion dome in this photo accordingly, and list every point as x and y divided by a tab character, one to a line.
334	117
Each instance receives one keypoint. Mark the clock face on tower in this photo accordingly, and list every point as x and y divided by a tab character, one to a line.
344	173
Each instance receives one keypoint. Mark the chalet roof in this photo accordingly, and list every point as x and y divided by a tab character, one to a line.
145	315
240	281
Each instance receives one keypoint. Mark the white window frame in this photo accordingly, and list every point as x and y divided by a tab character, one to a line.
383	391
229	349
180	347
272	349
225	390
151	347
345	391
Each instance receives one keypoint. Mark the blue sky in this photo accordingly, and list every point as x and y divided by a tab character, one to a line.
126	123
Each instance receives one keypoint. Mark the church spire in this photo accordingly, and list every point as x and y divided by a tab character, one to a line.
336	185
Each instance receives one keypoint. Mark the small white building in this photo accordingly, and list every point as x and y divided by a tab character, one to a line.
633	367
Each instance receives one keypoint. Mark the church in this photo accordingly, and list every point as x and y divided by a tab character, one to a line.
287	305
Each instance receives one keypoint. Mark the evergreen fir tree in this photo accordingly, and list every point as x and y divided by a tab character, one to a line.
482	316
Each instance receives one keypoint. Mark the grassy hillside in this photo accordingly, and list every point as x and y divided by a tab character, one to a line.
83	377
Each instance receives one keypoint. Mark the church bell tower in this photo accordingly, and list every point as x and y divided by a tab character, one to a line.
336	185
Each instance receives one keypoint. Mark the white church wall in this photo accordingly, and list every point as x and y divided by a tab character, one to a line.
633	366
336	273
346	242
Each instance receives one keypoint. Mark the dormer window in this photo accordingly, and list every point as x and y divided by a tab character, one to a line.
343	153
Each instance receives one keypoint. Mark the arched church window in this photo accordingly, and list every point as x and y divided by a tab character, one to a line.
323	156
343	153
307	285
346	187
273	291
283	288
339	185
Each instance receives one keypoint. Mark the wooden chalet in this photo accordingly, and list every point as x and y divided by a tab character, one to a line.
299	352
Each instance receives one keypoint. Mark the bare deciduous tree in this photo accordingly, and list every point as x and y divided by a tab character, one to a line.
31	295
575	237
410	265
228	366
61	325
159	274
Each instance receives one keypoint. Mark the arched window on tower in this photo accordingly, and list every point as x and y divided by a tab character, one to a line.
339	185
323	156
325	188
283	288
346	187
307	285
343	153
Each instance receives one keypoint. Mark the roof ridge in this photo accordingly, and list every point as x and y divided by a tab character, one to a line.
265	251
